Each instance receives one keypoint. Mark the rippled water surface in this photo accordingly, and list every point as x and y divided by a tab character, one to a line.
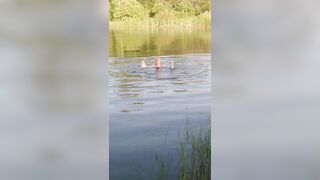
149	108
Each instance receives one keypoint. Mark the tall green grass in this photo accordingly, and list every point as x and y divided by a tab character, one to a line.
202	21
194	157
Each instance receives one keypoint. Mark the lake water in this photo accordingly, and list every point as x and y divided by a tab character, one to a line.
149	108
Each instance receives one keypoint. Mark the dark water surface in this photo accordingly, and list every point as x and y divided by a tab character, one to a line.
149	108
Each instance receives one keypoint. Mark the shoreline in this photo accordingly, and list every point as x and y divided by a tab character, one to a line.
202	21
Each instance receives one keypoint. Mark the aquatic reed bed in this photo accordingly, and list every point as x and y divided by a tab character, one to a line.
194	157
162	173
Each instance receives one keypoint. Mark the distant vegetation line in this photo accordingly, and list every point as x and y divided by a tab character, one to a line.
160	13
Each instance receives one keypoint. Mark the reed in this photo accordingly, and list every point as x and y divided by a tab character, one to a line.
202	21
194	157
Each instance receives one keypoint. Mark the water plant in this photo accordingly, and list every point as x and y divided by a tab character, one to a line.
194	157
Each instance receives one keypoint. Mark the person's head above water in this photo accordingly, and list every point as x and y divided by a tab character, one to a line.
158	62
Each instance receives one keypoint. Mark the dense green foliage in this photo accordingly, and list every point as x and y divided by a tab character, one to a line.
126	10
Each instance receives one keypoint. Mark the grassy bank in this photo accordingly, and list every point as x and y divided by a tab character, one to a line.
202	21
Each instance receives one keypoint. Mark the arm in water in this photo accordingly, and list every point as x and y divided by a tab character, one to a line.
143	64
171	64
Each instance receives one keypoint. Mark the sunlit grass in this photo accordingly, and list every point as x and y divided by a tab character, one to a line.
202	21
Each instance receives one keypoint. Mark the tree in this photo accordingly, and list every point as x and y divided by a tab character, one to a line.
126	9
167	9
201	6
183	8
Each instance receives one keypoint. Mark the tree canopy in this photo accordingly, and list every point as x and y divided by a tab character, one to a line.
139	9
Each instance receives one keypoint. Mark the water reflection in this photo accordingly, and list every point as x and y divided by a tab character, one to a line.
145	43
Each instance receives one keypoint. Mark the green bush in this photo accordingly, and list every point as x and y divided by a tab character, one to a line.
184	8
160	13
148	4
126	10
201	6
161	8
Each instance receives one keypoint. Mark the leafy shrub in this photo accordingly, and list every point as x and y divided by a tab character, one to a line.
127	9
160	13
184	8
161	8
201	6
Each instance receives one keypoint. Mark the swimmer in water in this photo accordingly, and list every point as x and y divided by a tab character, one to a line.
157	64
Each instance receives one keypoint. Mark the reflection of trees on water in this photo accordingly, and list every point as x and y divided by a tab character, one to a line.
145	43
